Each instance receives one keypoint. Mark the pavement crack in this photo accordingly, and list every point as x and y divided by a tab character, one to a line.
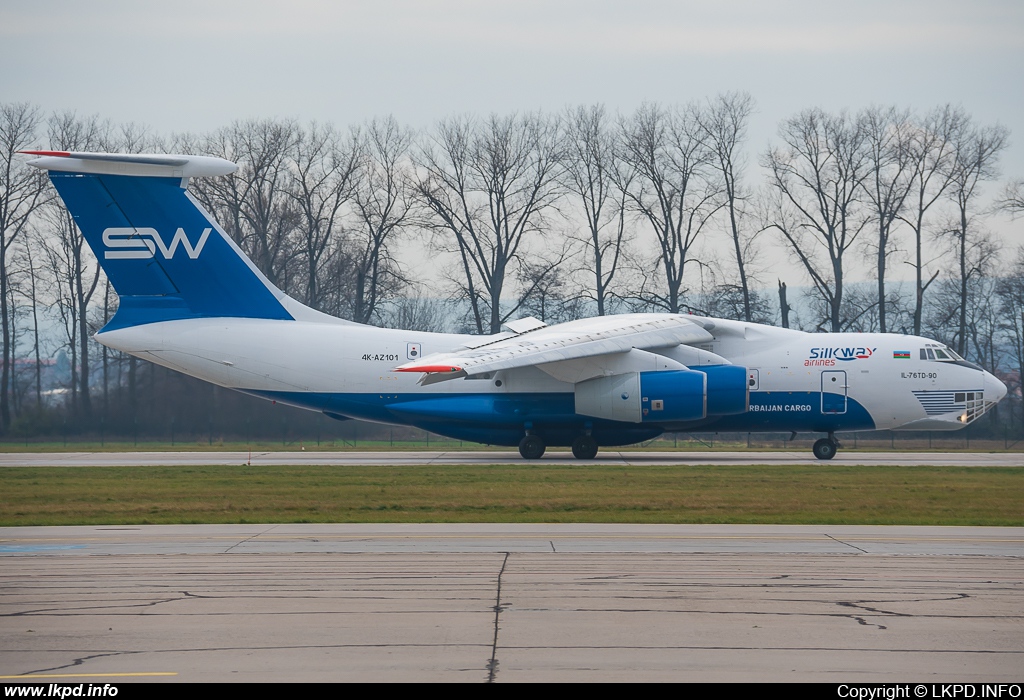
247	539
65	612
552	546
864	622
492	665
78	662
834	539
868	608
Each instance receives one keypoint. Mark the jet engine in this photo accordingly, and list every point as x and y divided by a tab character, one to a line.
667	396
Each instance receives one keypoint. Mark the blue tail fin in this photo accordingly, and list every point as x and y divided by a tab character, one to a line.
163	253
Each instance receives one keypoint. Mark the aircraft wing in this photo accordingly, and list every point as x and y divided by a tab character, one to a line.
566	341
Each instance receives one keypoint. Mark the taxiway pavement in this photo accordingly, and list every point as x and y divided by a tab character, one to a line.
501	603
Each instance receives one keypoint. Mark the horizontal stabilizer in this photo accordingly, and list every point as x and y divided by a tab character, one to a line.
132	164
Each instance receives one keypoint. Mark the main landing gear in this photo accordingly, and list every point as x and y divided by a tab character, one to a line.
826	448
531	447
583	447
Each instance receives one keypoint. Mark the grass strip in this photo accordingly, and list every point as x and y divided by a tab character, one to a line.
527	493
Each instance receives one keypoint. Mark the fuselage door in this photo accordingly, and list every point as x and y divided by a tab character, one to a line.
833	392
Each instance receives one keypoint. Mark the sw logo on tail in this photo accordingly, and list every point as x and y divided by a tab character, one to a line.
126	243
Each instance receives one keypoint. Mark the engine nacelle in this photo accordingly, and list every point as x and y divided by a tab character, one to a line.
728	390
666	396
677	395
613	398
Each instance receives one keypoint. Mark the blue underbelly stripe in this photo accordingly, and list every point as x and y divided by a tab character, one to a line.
769	411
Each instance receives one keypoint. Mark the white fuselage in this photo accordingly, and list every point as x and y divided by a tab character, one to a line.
882	373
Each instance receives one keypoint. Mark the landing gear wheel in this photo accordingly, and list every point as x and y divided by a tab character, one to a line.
825	449
531	447
584	447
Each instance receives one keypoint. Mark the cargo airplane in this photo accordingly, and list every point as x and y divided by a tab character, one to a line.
190	300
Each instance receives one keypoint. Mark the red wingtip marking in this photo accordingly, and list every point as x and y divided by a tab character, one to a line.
61	154
430	369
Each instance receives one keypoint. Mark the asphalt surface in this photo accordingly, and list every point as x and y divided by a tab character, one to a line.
503	603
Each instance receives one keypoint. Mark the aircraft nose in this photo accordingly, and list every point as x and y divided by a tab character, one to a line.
995	390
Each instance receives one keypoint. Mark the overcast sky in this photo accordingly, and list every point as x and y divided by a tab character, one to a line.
195	66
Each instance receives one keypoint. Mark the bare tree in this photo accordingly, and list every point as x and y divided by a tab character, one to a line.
975	158
1010	292
75	269
132	137
491	186
984	324
325	168
931	150
383	205
817	176
18	332
727	301
945	302
723	123
416	311
597	181
254	201
861	307
33	298
673	191
1012	198
784	307
22	191
889	182
546	292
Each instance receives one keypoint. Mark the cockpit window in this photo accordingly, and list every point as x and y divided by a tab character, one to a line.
939	353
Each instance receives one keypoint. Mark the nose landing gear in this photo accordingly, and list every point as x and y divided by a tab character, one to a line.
826	448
